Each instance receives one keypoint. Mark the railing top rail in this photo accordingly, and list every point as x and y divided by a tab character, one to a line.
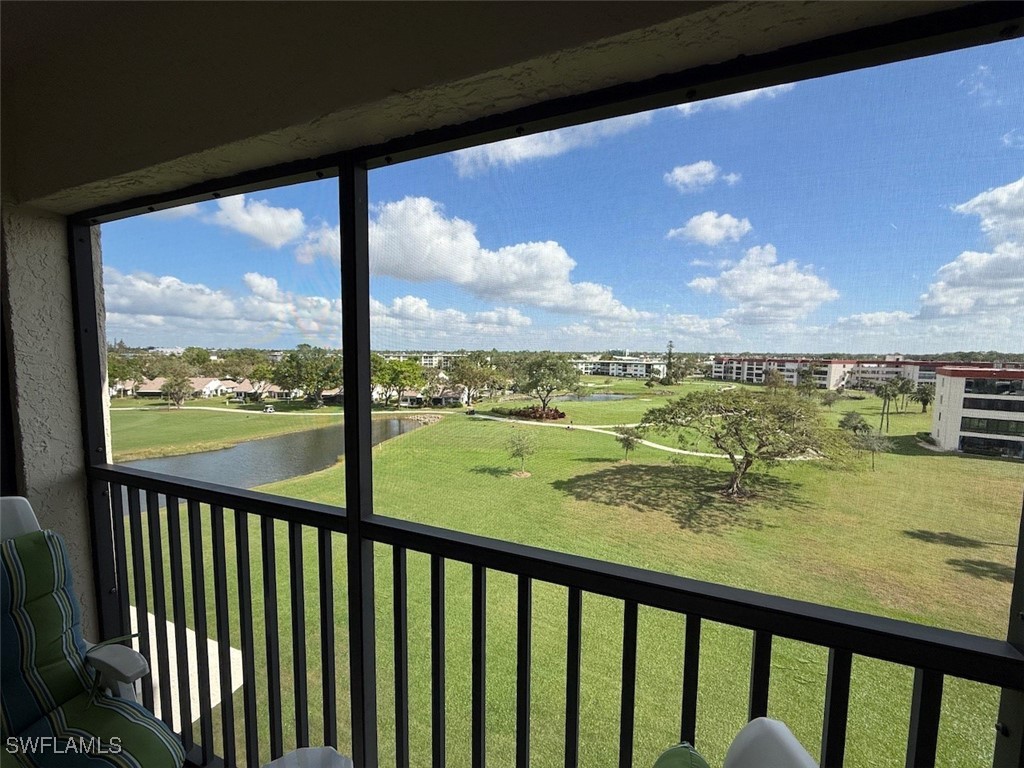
254	502
982	659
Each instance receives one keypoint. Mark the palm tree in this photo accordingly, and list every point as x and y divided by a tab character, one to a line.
925	395
888	392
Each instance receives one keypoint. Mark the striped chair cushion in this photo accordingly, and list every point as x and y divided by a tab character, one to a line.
46	681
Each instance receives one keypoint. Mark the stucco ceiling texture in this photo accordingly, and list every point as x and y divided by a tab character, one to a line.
107	101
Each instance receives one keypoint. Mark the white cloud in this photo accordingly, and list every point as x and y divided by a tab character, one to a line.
979	84
1001	210
735	100
979	284
875	319
166	296
257	218
710	228
413	240
697	176
324	241
1013	139
474	160
410	321
766	292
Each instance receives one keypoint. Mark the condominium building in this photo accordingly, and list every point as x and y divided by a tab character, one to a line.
621	366
834	373
979	410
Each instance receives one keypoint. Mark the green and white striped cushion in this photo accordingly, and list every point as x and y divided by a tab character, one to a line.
46	681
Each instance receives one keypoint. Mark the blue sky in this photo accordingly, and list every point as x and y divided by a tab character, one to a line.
874	211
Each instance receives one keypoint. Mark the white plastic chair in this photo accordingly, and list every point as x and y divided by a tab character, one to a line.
119	666
767	743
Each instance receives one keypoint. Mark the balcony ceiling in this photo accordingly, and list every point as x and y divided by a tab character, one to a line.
102	101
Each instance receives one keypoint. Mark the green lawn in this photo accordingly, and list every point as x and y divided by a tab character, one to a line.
926	537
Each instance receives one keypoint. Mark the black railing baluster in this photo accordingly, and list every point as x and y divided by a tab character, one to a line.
298	634
760	674
198	563
156	564
220	591
524	654
330	703
572	678
837	706
401	602
691	678
925	709
479	683
141	602
176	576
120	558
272	636
437	660
628	701
248	641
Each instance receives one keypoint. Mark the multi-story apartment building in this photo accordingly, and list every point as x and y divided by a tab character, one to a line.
442	360
621	366
828	374
979	410
835	373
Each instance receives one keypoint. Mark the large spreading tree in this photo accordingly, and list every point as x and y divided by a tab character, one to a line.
474	373
311	369
545	375
750	427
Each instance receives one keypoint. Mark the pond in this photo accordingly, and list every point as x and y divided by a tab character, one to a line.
600	397
256	462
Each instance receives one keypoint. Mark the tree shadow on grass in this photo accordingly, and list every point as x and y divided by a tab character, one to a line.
947	538
492	471
690	495
984	569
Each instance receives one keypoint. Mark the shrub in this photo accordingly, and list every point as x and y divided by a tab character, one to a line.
537	413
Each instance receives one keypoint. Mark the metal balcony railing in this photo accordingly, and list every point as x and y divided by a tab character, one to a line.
172	561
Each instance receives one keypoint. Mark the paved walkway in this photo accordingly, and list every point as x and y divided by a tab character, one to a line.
605	429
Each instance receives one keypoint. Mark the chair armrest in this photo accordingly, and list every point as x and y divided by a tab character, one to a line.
117	664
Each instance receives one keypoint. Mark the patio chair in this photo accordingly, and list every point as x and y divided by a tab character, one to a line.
762	743
51	703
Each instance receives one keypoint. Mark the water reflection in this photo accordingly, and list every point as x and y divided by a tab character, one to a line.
271	459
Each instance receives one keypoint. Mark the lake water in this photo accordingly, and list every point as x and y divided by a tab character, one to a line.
271	459
600	397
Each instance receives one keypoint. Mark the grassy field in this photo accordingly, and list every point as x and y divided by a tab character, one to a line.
810	532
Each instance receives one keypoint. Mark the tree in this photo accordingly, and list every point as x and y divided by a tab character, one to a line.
854	422
670	366
544	375
311	369
121	367
875	442
472	373
629	438
394	376
829	398
196	358
805	383
434	380
888	392
773	379
176	388
749	427
925	395
903	388
261	376
521	445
